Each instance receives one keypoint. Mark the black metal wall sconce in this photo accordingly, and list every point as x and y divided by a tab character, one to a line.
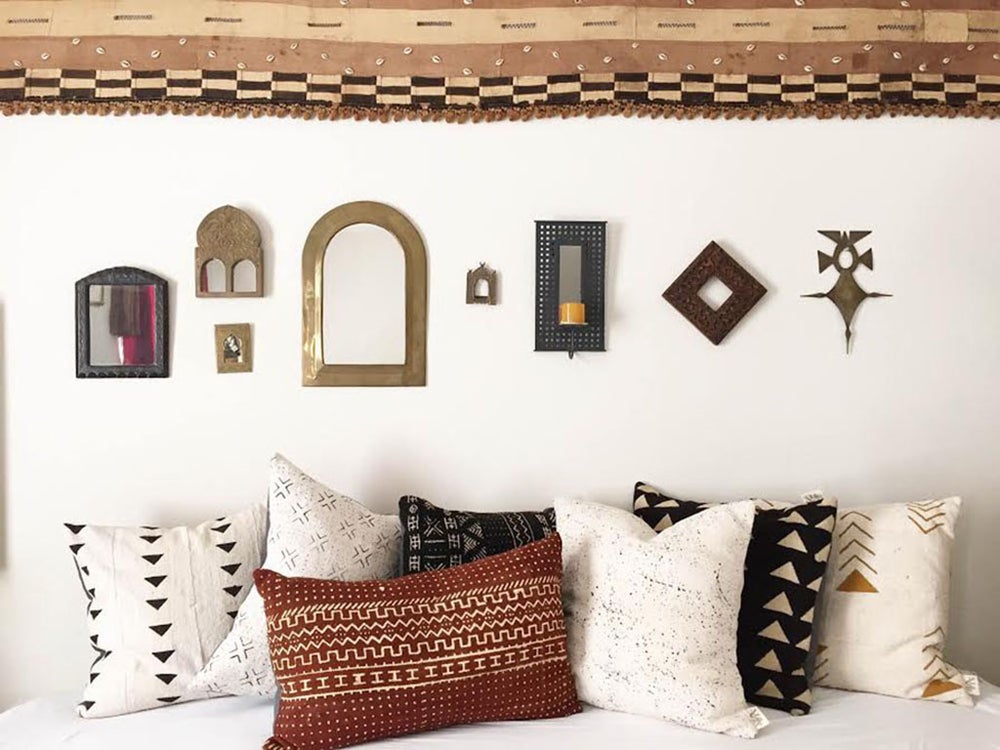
569	286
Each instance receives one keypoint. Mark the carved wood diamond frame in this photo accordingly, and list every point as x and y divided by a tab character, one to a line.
714	262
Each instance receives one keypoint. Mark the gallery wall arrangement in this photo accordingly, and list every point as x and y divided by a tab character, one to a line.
122	312
490	59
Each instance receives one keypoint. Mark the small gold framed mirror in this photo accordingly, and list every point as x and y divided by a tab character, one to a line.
348	339
233	348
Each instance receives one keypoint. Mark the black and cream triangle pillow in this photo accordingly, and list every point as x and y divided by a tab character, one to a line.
159	600
785	564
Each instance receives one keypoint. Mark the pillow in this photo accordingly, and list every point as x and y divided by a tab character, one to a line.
785	564
313	531
358	662
435	538
651	618
884	617
158	600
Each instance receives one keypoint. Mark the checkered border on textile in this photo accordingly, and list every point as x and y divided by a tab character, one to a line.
674	89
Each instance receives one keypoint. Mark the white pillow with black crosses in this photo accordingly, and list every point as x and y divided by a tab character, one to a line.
313	532
158	600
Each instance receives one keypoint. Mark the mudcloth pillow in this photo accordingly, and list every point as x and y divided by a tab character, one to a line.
362	661
158	601
884	614
785	564
313	531
435	538
651	618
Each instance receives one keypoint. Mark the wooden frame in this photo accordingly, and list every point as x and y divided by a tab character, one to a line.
244	336
714	263
315	371
123	275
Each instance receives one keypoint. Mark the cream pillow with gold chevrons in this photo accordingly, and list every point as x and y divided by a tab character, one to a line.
884	612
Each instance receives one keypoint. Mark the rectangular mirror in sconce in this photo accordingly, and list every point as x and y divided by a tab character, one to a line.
569	286
572	309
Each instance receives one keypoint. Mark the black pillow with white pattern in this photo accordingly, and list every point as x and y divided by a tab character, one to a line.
436	538
785	565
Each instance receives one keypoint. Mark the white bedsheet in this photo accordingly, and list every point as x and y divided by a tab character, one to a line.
838	720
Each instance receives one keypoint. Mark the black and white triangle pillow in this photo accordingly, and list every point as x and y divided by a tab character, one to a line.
159	600
785	563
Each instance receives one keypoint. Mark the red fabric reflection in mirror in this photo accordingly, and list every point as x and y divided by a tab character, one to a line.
133	320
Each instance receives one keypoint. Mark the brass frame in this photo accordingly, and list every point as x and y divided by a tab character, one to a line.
229	236
473	277
413	371
243	332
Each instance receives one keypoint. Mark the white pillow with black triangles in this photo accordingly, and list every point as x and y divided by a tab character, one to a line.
159	601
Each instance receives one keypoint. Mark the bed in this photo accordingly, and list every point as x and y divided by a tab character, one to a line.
839	720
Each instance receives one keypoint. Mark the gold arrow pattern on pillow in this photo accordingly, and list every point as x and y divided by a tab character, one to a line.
855	553
927	516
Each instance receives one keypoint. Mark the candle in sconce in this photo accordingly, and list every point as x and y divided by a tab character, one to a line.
572	314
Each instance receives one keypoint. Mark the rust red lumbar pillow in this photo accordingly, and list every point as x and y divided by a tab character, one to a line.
360	661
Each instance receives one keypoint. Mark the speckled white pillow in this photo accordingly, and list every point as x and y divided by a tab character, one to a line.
651	618
314	532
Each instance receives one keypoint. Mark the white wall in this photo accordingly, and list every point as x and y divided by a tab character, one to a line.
776	410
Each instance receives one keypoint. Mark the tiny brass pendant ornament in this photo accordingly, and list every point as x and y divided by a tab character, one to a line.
846	293
472	279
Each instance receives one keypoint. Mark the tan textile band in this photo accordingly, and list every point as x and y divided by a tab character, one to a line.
266	53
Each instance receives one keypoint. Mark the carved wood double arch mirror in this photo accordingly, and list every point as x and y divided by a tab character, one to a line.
364	299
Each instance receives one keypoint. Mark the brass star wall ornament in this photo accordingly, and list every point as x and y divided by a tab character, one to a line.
846	293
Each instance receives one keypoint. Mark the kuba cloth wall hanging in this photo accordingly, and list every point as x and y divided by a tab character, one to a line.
494	59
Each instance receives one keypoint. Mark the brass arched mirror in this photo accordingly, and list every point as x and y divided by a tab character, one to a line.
356	286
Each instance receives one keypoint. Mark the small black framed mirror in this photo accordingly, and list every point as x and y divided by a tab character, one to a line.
121	324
